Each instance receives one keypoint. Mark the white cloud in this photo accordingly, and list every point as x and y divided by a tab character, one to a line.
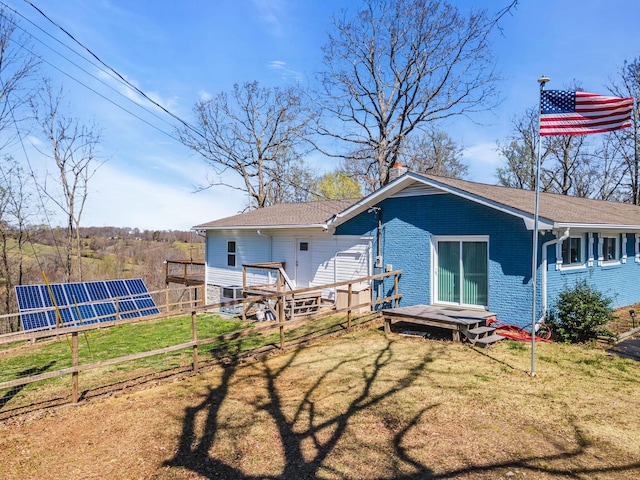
286	73
204	96
269	12
482	159
120	199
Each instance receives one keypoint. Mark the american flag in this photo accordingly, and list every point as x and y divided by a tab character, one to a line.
580	113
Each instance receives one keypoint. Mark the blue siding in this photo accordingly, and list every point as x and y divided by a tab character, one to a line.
619	282
409	223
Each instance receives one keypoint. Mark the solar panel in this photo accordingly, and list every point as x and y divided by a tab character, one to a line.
76	292
136	286
97	291
83	302
117	288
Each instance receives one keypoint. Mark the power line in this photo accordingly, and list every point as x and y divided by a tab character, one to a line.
122	78
75	79
75	64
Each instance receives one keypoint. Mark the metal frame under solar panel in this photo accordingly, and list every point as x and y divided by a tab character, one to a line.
83	302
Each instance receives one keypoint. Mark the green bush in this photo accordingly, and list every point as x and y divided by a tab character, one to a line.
580	314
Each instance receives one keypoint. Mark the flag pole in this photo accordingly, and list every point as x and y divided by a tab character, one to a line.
534	261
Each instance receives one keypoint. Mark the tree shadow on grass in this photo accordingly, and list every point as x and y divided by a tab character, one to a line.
12	392
301	426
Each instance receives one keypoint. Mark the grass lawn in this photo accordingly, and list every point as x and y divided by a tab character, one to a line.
361	406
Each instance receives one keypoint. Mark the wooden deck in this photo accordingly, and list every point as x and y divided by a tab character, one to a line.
452	318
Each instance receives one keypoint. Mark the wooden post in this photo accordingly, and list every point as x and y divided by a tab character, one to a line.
349	292
281	309
166	297
74	363
194	333
244	285
395	290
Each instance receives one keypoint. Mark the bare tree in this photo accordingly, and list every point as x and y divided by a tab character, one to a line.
564	162
396	66
435	153
256	132
17	68
520	153
73	149
15	212
628	85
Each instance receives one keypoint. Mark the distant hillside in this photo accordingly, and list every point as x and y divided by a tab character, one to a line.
107	253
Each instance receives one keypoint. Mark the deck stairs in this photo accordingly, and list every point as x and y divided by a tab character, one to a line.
481	336
295	304
465	324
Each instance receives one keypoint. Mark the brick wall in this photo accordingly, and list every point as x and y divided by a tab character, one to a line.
409	223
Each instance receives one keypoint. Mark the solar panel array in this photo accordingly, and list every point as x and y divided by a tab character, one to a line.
83	302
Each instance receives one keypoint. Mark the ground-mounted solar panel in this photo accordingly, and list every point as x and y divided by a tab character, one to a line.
97	291
146	304
82	303
76	293
136	286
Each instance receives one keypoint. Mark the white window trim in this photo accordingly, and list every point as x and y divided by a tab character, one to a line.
560	261
637	249
590	252
235	254
601	260
434	266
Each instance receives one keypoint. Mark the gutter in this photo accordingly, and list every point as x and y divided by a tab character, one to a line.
543	282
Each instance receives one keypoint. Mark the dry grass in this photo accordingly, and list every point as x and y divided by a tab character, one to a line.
362	406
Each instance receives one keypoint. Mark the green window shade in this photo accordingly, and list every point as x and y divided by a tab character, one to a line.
475	274
449	272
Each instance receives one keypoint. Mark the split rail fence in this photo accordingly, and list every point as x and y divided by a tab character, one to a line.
199	313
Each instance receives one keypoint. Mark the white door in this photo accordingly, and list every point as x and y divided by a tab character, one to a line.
303	262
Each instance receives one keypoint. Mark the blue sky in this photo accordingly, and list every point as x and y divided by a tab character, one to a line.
180	51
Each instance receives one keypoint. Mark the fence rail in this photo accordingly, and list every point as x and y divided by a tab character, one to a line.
195	309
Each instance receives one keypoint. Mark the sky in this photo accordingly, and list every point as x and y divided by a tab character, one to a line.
179	52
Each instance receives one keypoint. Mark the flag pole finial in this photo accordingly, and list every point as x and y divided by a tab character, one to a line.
543	79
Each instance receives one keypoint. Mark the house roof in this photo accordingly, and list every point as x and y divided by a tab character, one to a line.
561	209
555	211
284	215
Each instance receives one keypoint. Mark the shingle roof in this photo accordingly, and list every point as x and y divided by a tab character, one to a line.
556	208
559	209
283	215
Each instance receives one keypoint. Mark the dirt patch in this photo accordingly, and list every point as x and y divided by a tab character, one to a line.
361	406
623	321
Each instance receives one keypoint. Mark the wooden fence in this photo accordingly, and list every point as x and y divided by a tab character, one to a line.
280	323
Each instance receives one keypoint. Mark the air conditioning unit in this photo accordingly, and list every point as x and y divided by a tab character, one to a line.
228	294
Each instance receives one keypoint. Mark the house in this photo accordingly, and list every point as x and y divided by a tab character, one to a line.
295	234
459	243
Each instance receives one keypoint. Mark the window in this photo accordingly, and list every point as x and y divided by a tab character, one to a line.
610	249
231	253
462	272
572	251
304	246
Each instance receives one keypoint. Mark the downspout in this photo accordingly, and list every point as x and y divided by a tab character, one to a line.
543	282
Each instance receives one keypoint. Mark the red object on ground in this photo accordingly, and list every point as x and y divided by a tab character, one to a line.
513	332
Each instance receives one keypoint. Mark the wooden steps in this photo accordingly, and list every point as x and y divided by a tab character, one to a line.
482	336
465	324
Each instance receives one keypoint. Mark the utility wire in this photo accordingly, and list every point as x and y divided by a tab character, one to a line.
77	65
127	82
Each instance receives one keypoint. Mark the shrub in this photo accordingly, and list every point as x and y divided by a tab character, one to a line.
580	314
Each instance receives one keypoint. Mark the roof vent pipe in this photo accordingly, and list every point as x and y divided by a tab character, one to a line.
397	171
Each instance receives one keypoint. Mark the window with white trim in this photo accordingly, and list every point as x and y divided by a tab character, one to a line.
573	251
610	249
231	253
